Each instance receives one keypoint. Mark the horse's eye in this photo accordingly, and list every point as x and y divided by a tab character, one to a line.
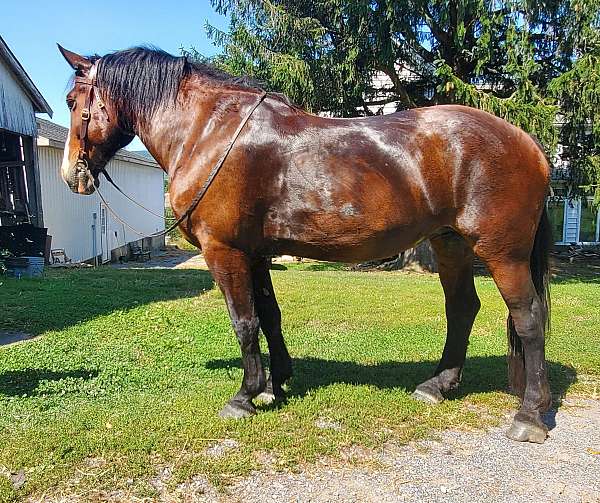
71	104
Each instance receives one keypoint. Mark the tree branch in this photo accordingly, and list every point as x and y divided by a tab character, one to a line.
398	85
435	28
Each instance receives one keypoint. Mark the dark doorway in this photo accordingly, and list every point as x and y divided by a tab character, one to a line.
17	204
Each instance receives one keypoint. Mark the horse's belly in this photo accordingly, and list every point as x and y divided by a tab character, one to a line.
353	214
328	238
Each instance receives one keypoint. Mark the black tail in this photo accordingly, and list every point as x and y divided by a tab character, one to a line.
540	274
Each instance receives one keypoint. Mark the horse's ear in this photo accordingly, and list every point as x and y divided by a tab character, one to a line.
77	62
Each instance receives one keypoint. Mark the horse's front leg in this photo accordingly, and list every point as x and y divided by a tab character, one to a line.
270	323
231	270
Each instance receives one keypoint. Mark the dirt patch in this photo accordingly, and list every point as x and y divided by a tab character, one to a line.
454	466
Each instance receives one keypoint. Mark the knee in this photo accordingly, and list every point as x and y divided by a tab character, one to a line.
466	306
528	319
246	331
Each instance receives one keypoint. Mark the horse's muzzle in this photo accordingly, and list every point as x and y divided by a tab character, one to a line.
81	181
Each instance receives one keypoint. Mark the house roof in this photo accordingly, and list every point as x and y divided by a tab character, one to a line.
144	153
51	134
39	103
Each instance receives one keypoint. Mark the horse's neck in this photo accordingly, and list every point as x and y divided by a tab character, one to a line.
169	129
160	135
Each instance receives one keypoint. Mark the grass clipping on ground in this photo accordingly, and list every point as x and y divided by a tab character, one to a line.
133	366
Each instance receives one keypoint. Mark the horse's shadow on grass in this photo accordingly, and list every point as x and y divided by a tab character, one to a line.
482	374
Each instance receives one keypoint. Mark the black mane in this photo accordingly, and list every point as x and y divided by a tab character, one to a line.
141	79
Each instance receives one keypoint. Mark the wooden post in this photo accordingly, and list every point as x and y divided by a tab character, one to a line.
33	180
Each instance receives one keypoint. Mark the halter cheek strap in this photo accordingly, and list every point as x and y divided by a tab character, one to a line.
86	115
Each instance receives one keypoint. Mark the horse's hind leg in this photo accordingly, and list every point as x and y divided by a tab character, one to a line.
232	272
270	323
455	263
528	316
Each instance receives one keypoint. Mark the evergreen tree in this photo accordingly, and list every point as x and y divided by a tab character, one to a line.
577	90
532	63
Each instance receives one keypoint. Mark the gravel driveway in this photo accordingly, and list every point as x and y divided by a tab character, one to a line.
456	467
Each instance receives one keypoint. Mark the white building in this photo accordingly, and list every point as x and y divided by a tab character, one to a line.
574	220
82	225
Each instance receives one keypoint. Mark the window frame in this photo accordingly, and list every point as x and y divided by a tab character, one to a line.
597	236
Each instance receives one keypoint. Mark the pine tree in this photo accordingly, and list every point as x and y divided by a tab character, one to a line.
577	90
518	59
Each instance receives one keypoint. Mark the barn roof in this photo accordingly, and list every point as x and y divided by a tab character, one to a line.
51	134
39	103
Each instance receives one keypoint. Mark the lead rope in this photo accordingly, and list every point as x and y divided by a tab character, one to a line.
118	218
112	182
199	195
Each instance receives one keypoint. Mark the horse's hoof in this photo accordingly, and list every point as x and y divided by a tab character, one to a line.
266	397
236	411
428	396
526	432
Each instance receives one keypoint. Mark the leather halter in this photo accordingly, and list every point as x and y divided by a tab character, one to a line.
86	115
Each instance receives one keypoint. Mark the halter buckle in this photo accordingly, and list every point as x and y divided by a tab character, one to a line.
85	114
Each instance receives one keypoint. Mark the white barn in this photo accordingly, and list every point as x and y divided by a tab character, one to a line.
82	225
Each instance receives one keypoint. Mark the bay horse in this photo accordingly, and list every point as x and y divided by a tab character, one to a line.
347	190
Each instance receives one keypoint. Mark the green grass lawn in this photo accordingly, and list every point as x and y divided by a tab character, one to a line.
132	367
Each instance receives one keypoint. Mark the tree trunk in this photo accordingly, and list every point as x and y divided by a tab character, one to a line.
420	258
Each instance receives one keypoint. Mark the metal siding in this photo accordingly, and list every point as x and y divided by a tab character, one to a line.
16	110
69	216
145	185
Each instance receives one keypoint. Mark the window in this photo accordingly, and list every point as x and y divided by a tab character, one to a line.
556	215
588	228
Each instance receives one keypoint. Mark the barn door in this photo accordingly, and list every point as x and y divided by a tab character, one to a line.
104	234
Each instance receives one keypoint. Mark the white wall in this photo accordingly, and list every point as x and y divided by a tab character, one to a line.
69	216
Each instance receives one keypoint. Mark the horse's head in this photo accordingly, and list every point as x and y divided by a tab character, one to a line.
95	134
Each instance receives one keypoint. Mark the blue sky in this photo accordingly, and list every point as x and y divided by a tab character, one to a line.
32	29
